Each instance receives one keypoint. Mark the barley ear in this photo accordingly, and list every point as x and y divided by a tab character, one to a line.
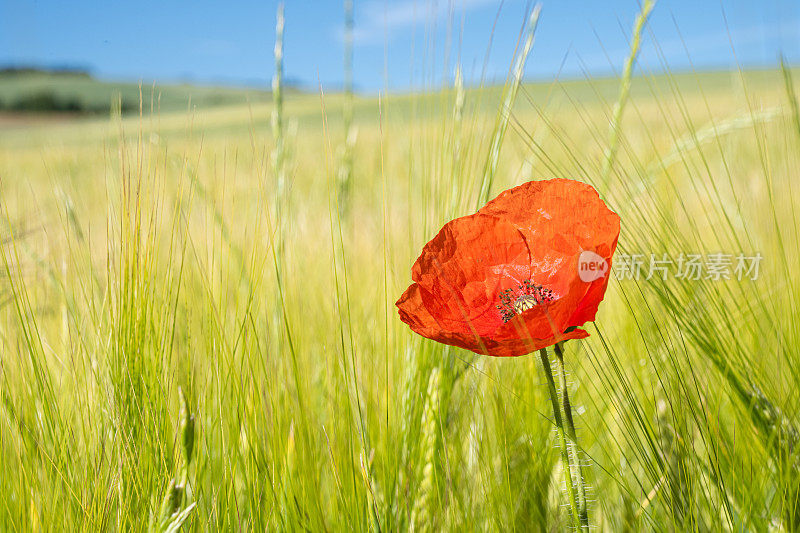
422	512
187	432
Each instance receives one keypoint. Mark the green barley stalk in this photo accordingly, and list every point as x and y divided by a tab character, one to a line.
675	463
624	92
279	169
174	510
281	201
501	124
345	174
422	513
407	409
371	488
695	140
791	96
289	497
279	152
781	438
457	156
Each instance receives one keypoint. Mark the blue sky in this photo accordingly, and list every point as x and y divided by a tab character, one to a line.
399	44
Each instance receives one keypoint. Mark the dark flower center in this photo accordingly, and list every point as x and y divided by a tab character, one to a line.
526	295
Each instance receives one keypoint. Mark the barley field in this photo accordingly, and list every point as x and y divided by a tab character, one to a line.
198	327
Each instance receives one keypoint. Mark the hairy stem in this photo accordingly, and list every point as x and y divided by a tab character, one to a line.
575	464
551	385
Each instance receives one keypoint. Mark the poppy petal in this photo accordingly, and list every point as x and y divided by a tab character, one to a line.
462	270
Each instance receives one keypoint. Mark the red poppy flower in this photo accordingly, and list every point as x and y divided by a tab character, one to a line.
521	274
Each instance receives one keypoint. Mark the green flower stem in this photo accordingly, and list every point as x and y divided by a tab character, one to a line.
573	441
551	384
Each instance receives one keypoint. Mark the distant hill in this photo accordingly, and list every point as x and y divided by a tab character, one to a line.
75	91
56	71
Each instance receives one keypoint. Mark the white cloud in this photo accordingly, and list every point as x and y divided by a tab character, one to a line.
377	21
718	44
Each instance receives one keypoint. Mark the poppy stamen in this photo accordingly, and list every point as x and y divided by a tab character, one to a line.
526	296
